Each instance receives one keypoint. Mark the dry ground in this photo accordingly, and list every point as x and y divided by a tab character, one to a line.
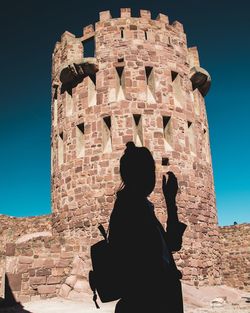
202	300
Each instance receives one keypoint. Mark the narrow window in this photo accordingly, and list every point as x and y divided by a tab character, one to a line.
191	137
120	83
146	35
122	32
120	60
80	140
55	111
178	93
206	149
197	98
106	134
60	149
51	159
138	133
150	84
173	75
92	90
167	133
165	161
89	47
69	103
55	108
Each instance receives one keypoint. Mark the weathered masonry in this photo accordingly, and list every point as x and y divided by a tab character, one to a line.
127	78
140	83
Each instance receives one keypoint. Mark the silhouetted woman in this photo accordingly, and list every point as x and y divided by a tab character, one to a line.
149	279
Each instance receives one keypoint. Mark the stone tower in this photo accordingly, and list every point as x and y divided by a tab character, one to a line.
143	84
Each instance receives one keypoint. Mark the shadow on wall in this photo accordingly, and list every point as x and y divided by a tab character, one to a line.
9	300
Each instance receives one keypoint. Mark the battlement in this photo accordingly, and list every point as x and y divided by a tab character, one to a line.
105	16
161	21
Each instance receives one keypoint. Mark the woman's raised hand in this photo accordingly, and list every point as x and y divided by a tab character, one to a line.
170	187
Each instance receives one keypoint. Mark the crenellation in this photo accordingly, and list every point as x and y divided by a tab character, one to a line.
178	26
125	12
162	18
193	57
105	16
88	30
67	36
145	14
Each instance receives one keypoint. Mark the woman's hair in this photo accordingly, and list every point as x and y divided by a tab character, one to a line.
137	168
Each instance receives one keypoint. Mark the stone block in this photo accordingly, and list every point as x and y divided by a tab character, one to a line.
46	289
82	285
23	268
71	280
24	298
15	281
10	249
25	259
63	263
64	291
38	280
43	272
54	280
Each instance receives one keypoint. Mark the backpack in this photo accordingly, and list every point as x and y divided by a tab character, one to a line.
104	278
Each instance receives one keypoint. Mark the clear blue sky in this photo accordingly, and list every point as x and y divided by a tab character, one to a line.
29	30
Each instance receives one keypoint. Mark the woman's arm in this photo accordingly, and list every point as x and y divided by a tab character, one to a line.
175	229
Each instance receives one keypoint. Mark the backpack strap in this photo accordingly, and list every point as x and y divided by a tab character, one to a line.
95	299
93	287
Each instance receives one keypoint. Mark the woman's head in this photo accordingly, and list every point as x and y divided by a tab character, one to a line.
137	169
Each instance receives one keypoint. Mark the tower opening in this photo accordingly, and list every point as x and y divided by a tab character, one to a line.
80	140
106	134
138	131
60	149
89	47
205	146
69	103
92	90
178	93
122	32
150	79
165	161
173	74
167	133
197	98
191	138
120	83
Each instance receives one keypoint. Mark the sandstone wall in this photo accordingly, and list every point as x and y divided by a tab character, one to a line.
235	252
46	266
12	228
137	86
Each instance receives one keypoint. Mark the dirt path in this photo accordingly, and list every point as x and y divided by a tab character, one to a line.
218	299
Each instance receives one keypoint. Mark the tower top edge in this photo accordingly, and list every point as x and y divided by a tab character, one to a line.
161	20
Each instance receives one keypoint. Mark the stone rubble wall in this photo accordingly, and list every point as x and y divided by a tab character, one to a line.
84	185
12	228
235	256
45	267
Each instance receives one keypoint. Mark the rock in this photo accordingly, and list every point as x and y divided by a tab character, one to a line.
71	280
82	285
64	291
218	302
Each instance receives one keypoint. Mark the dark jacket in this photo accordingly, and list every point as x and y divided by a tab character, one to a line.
143	251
